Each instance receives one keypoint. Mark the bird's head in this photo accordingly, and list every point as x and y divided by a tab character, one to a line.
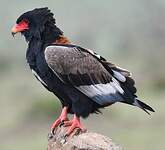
36	23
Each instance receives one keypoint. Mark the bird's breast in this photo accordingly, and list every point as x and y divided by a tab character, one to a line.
38	77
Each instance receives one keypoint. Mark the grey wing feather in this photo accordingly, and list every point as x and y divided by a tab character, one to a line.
66	61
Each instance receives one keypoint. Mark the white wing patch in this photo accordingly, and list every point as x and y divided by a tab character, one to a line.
119	76
103	93
38	77
117	86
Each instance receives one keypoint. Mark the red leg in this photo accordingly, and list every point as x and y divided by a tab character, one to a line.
74	123
61	118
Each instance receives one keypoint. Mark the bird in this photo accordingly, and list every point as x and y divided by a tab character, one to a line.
82	80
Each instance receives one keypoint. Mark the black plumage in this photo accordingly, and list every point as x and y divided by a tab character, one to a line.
82	80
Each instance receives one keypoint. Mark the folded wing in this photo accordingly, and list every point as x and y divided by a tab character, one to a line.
79	68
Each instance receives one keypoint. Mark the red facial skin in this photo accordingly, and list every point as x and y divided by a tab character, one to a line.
23	25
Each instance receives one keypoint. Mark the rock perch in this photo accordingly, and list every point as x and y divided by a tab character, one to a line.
80	141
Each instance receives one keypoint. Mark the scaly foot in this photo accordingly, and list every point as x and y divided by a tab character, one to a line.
63	117
74	123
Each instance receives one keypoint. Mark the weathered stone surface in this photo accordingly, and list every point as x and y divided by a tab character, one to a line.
80	141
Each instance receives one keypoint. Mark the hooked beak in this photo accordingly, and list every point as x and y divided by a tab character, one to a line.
19	28
14	30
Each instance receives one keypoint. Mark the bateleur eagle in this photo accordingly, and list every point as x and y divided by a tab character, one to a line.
81	79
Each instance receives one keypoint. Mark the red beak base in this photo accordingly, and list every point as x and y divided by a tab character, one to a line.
23	25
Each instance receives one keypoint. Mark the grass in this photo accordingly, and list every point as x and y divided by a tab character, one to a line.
27	121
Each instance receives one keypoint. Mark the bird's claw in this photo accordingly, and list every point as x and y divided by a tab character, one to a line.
78	131
64	139
53	131
50	136
66	136
62	123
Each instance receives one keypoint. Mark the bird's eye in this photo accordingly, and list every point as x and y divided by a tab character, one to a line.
25	21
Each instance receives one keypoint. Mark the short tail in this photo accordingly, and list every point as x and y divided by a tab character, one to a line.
143	106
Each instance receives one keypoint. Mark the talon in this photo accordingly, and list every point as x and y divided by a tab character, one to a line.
74	124
61	124
78	131
65	136
50	136
63	141
60	120
53	131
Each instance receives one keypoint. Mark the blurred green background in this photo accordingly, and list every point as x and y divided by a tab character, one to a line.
130	33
